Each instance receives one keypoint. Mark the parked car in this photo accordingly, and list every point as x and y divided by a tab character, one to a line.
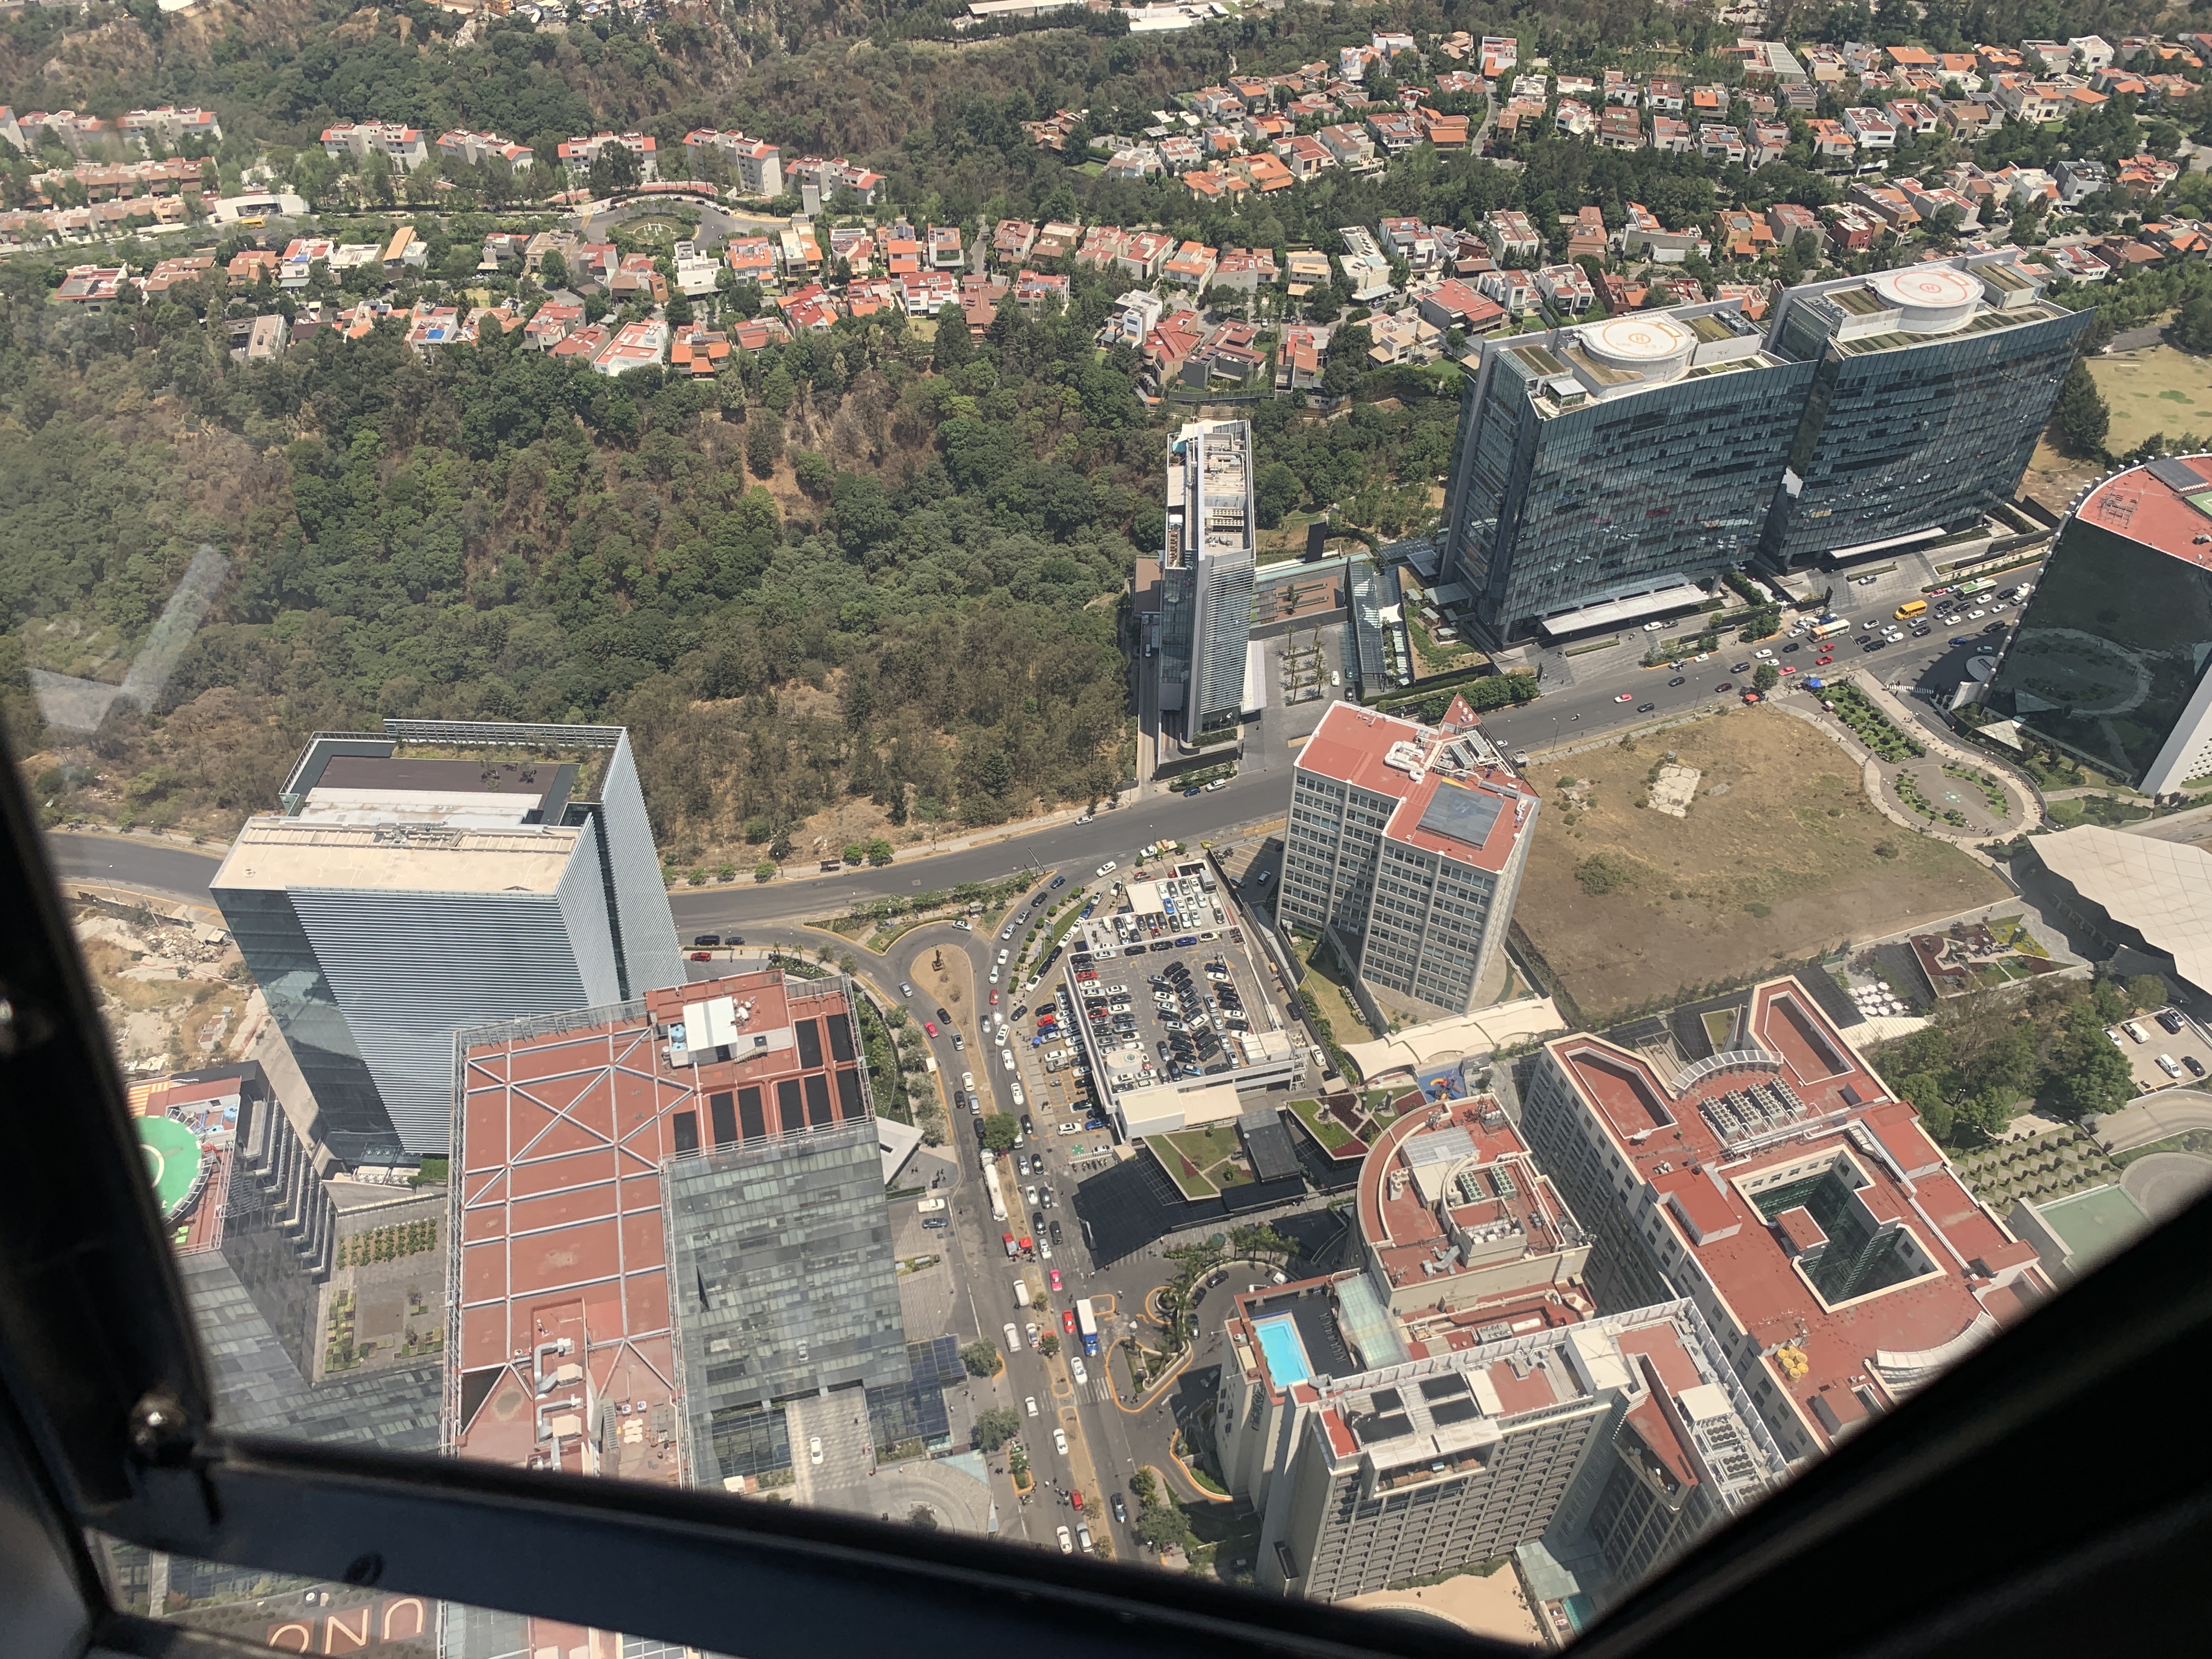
707	939
1067	1544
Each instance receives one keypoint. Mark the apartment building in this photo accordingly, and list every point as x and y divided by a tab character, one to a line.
404	146
758	163
438	874
1405	844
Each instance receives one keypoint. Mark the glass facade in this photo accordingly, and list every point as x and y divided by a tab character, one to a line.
1906	432
1560	506
784	1274
1206	575
2112	651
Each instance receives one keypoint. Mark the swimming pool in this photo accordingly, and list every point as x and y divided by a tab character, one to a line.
1286	1355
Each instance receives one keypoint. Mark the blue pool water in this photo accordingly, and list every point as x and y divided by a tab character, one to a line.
1286	1355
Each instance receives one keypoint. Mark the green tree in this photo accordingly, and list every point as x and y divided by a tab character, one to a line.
1275	491
616	167
1765	678
2147	991
981	1359
995	1426
1162	1527
553	270
2091	1074
2081	423
1049	1345
1001	1131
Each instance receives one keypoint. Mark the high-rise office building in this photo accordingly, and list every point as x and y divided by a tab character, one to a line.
437	875
1407	843
2109	662
1933	383
720	1247
1458	1396
1603	470
1205	577
1826	1240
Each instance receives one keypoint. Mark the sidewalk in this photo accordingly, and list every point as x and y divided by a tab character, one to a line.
2023	795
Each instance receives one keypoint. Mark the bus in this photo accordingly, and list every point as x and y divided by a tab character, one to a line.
1086	1322
998	1194
1968	590
1829	631
1911	608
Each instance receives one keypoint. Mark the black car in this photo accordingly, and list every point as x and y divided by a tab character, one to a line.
943	1017
1121	1510
707	939
1741	668
978	1123
1165	945
1792	645
1028	1128
1054	1231
1036	1221
1677	680
1646	707
2170	1020
2196	1065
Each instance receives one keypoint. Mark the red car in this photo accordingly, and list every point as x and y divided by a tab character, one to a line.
1074	1498
1789	667
1055	1279
703	955
930	1026
1823	661
1067	1319
1625	696
995	998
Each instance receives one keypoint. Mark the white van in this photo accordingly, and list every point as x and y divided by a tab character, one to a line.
1021	1293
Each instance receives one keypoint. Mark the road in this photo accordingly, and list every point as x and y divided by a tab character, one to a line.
950	968
1581	698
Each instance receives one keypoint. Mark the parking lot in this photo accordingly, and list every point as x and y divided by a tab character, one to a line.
2181	1046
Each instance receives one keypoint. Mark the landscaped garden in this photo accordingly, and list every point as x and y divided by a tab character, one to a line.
1871	725
2039	1169
1345	1125
1201	1162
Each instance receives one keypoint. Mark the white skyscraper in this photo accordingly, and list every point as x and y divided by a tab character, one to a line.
1206	572
441	874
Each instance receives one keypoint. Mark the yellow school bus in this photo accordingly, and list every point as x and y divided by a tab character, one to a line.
1912	608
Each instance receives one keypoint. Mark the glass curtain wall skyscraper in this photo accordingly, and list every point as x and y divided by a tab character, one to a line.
2109	661
436	875
1207	570
1603	468
1932	385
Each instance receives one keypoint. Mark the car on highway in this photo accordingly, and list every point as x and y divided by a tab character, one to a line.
1789	667
1028	1400
1067	1544
707	939
959	1043
1625	696
1009	934
905	989
1922	633
1646	707
1824	660
1724	687
1740	668
1067	1319
1120	1509
1075	1368
995	998
1060	1445
1677	680
930	1026
1055	1279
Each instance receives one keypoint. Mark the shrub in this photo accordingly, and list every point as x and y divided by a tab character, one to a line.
1600	875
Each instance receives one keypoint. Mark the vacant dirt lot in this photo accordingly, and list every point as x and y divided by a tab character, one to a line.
1781	855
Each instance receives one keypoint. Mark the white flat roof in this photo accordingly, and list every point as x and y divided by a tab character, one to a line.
1611	611
277	854
2161	888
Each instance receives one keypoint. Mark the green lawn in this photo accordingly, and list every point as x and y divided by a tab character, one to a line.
1330	1133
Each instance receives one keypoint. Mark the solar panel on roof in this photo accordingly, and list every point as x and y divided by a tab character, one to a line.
1462	814
1387	1400
1444	1386
2177	474
1452	1410
1370	1430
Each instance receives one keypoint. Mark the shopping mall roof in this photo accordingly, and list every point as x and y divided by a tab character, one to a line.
2161	888
1739	1151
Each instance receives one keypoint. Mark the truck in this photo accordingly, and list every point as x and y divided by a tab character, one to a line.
1087	1325
998	1194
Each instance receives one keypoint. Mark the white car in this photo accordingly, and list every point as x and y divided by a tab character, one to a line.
1108	868
1030	1193
968	1081
1976	615
1066	1543
1002	956
1044	1250
1031	1403
1653	628
814	1448
1013	1339
1075	1368
1060	1441
1018	1099
994	976
1007	1055
1085	818
1762	651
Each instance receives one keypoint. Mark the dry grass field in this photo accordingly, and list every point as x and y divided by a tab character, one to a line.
1780	856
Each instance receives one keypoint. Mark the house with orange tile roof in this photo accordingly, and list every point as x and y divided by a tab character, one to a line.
698	351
